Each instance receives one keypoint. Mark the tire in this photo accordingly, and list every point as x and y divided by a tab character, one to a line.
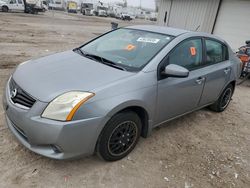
222	103
5	9
119	136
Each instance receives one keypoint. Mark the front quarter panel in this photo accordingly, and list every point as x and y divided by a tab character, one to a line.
139	90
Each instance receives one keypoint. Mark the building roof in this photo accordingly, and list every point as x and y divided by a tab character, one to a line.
159	29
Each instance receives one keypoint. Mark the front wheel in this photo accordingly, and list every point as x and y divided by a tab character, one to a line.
119	136
222	103
5	9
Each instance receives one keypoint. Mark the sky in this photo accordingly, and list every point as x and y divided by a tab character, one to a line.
144	3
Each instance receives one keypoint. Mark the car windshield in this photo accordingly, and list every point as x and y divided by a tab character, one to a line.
128	48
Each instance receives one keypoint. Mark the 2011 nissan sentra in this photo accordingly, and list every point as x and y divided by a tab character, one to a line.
101	97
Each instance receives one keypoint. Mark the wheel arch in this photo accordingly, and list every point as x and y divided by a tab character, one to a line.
139	110
5	6
215	106
233	84
143	109
143	115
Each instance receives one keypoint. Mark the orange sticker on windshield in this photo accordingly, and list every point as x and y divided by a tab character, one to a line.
130	47
193	51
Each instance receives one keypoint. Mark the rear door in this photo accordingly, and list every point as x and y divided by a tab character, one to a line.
177	96
216	70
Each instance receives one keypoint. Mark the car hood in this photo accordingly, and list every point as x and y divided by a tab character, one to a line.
50	76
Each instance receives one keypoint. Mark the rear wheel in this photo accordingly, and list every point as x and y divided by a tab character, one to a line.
222	103
5	9
119	136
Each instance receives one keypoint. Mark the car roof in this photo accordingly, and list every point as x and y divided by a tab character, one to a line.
174	31
159	29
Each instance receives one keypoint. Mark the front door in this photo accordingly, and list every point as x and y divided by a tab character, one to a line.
13	6
177	96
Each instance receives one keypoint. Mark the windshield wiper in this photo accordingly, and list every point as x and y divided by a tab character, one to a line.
100	59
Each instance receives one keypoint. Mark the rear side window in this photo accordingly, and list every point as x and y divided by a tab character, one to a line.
187	54
215	52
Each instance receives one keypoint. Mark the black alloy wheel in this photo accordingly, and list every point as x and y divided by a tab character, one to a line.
119	136
226	97
122	138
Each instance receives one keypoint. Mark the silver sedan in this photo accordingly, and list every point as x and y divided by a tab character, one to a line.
102	96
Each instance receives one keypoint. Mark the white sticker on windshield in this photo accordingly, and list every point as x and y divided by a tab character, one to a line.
150	40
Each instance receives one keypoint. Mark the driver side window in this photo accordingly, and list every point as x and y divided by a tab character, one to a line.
13	2
187	54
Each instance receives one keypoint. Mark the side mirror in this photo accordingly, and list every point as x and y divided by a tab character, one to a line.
177	71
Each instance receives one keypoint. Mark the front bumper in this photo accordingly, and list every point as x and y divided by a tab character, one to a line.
53	139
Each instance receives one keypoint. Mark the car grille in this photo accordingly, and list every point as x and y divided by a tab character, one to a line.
19	96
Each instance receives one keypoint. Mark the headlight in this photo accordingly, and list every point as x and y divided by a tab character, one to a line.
64	106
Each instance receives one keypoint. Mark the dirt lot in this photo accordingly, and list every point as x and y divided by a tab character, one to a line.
202	149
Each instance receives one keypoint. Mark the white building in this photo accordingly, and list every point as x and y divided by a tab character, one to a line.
229	19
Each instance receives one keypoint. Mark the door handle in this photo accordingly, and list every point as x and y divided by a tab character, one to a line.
200	80
227	70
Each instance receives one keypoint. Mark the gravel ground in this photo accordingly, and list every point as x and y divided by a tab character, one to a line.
202	149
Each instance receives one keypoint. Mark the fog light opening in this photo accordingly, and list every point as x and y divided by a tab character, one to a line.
56	148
